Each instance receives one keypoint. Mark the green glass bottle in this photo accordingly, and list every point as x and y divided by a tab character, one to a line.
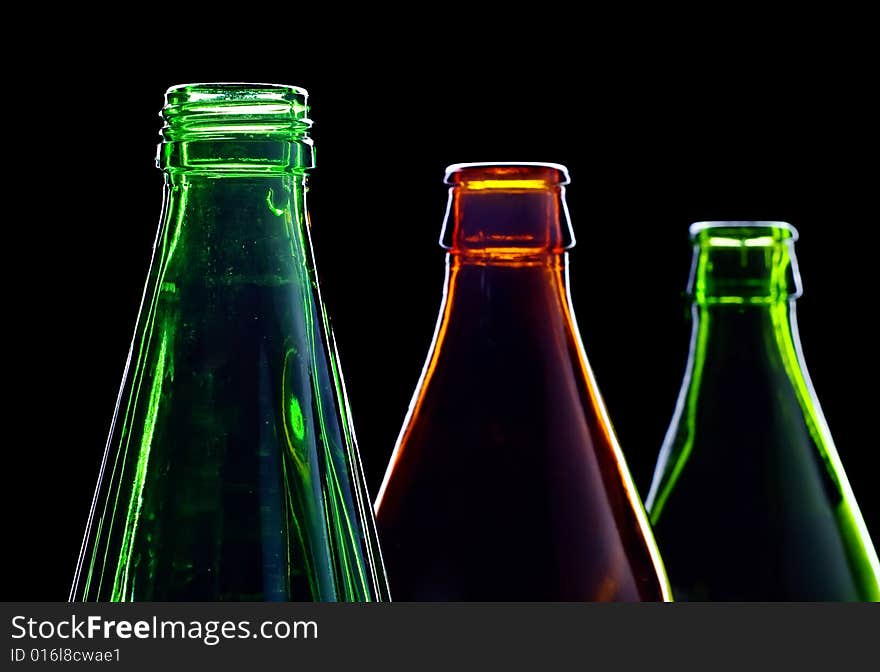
749	498
231	471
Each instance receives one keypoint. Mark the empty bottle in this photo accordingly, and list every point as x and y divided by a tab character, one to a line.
231	470
749	499
507	482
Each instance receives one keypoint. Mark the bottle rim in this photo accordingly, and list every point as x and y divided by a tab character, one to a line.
507	175
205	91
744	262
739	228
228	127
218	109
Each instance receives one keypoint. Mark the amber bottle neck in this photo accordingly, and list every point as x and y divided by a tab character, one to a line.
505	304
506	214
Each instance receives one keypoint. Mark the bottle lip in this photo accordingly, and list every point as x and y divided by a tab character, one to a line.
742	231
217	110
506	209
228	127
743	262
206	92
506	175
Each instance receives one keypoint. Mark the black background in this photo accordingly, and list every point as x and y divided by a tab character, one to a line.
657	133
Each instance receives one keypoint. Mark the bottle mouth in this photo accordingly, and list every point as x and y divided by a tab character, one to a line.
209	92
217	111
742	233
222	127
506	176
744	262
503	211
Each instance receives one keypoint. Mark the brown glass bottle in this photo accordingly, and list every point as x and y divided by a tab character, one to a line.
507	482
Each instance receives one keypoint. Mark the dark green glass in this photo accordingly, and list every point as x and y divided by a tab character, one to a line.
231	471
749	499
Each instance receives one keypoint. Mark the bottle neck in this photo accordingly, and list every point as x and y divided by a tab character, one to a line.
236	129
746	337
234	230
744	282
483	281
235	158
506	231
506	214
743	263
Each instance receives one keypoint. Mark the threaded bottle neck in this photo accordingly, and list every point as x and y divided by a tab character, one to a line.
236	128
748	262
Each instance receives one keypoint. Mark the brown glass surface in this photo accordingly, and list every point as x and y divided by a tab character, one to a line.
507	483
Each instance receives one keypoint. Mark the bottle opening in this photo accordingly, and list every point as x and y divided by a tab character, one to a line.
230	126
742	233
506	176
744	262
506	211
